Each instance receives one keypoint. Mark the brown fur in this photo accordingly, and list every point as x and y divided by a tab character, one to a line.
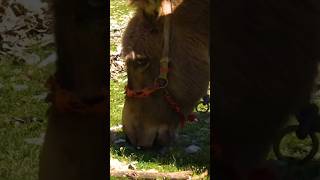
151	118
75	144
265	55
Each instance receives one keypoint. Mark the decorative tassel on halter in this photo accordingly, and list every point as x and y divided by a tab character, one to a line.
177	109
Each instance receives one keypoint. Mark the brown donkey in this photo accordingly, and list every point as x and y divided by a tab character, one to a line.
166	49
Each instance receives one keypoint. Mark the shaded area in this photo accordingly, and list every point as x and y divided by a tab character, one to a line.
163	159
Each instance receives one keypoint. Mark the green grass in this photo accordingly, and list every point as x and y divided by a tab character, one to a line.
116	101
120	14
18	159
120	11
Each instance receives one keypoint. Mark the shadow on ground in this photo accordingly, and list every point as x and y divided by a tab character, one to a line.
193	137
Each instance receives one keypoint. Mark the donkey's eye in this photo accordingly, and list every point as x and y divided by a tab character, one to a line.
141	62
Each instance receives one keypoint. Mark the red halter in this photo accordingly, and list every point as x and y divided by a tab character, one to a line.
146	92
64	100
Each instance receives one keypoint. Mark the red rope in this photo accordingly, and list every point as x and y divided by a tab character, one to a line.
64	100
164	70
177	109
145	92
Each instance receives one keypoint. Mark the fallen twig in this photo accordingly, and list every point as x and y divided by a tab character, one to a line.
134	174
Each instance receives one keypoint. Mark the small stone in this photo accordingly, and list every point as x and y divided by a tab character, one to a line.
36	141
118	141
40	97
192	149
20	87
184	136
49	60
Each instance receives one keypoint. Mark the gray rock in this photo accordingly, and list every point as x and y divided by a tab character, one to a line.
40	97
118	141
20	87
36	141
49	60
192	149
